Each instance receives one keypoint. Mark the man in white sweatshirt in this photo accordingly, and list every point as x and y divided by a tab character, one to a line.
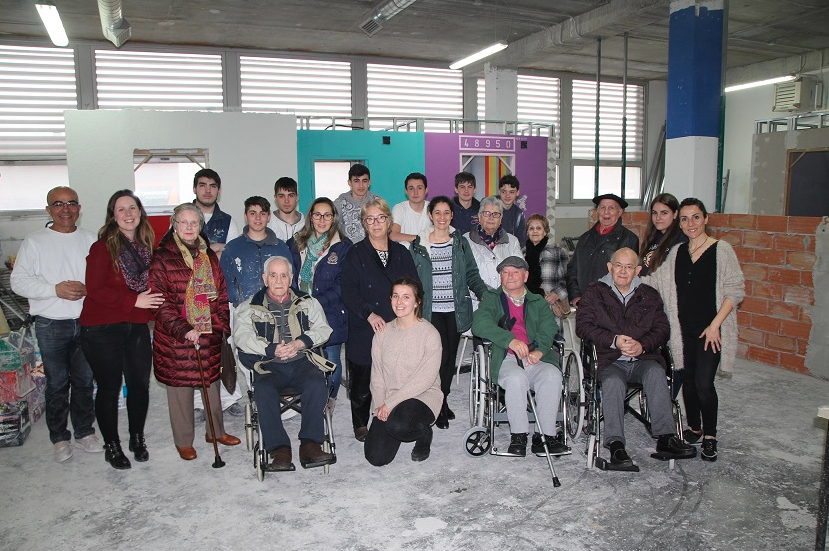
50	271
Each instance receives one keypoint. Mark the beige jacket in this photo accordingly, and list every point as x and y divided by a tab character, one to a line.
730	284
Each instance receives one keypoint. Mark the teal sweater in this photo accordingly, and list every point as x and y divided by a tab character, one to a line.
538	318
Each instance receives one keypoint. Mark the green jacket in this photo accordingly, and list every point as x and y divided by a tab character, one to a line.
538	318
465	276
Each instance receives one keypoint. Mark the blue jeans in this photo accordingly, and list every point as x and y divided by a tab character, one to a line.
67	374
332	353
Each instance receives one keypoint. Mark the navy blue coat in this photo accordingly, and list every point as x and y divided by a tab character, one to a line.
366	288
326	286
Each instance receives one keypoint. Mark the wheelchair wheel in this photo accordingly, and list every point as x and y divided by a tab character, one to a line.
248	427
477	388
591	451
477	441
574	397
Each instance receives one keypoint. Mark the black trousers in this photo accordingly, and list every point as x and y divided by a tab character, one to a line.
359	377
409	420
447	326
114	351
698	390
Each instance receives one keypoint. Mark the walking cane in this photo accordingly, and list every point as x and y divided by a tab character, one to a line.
218	463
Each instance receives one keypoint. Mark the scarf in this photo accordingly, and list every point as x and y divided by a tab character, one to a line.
134	261
313	248
489	240
201	288
517	301
533	257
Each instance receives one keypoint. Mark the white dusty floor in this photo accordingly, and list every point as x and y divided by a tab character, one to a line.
761	494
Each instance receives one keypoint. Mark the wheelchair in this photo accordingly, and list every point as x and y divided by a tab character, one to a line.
487	410
593	417
289	400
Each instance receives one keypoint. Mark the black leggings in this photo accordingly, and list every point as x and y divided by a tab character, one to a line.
113	351
446	325
409	420
698	384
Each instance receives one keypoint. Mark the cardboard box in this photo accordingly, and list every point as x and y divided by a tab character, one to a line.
15	423
17	359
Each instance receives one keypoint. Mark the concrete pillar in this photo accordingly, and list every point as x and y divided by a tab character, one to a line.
501	96
695	60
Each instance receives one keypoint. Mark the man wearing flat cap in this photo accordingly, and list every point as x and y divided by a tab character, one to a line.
521	327
597	245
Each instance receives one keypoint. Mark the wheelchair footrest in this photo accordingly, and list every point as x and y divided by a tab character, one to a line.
666	456
605	465
269	469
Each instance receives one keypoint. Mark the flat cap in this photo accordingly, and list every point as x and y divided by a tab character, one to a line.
513	262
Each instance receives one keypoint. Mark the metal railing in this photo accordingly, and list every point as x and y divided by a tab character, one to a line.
409	124
802	121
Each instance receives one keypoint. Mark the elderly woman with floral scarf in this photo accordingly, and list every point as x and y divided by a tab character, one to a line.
195	311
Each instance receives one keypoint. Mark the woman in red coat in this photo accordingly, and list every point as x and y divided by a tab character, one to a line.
195	310
114	334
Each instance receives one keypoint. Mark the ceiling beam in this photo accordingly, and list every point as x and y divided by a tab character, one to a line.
611	19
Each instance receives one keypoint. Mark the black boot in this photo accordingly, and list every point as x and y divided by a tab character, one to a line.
138	447
114	455
423	446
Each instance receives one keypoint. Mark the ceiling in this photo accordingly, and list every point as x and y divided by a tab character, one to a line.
552	35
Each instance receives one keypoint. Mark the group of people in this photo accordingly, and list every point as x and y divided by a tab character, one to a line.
394	285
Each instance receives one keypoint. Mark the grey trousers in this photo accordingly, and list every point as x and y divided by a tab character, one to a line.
651	376
182	418
542	378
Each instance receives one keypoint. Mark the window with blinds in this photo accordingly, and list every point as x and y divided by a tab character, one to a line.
36	86
610	121
408	93
159	81
539	100
299	87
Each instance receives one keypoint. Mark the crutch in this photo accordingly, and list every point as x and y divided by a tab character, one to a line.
218	463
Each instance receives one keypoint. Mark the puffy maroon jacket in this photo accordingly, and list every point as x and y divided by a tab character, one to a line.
174	357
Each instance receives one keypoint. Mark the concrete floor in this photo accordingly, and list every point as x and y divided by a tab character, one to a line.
761	494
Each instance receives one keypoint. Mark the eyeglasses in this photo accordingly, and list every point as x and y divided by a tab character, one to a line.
60	204
491	214
626	267
322	215
185	224
379	219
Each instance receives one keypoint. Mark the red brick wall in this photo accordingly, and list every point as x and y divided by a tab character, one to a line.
777	254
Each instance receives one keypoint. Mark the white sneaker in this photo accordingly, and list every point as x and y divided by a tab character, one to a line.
63	450
90	443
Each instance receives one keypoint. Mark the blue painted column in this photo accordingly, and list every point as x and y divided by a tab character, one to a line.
695	61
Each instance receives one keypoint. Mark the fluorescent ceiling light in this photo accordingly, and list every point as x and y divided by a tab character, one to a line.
486	52
755	84
51	20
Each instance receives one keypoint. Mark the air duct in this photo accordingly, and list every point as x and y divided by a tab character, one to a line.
382	12
116	29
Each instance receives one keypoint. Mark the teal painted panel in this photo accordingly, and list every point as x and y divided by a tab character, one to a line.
389	164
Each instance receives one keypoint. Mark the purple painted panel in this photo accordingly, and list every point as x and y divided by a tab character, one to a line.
444	157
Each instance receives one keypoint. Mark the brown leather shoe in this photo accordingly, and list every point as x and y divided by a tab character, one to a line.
311	455
227	440
281	460
188	453
360	433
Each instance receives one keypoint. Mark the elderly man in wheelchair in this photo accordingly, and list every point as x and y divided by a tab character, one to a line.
521	326
626	323
275	331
